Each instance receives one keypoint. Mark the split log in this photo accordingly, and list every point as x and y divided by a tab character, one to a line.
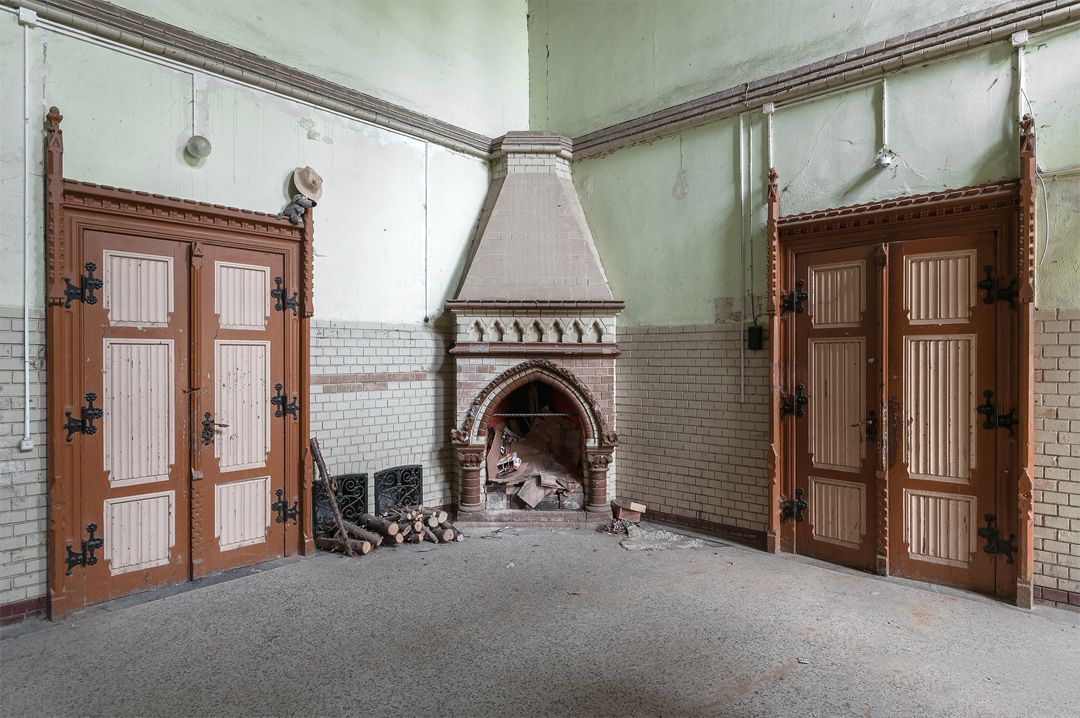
349	546
363	534
441	517
458	535
375	523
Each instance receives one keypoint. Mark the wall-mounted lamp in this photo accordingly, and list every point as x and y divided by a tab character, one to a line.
198	147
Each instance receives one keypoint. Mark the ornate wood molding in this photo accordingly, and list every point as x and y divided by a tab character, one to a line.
54	198
1025	270
104	198
990	197
773	468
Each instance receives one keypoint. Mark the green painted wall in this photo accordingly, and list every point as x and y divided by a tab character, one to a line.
461	61
592	64
666	218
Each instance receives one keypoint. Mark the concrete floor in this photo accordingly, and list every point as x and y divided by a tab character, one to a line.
549	622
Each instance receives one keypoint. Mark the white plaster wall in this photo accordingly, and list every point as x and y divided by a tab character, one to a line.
381	254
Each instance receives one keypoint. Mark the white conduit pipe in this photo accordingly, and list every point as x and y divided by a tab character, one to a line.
884	113
28	19
742	256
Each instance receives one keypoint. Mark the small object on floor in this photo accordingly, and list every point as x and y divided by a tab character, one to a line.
638	539
615	526
627	510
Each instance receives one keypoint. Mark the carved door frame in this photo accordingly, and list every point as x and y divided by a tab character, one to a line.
1005	207
72	206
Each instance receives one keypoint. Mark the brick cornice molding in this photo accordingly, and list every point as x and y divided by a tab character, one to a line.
848	68
538	306
141	32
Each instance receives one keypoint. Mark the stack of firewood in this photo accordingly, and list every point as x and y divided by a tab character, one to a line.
411	524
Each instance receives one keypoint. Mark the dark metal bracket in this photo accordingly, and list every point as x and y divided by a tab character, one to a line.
792	404
995	420
793	301
85	291
793	508
281	294
208	426
86	556
994	292
284	511
995	544
84	425
283	405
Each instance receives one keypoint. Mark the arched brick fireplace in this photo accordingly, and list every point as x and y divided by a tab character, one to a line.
598	441
534	309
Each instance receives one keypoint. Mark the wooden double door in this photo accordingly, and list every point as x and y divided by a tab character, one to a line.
182	356
899	413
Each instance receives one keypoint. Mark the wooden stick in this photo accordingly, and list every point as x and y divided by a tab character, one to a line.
321	466
333	544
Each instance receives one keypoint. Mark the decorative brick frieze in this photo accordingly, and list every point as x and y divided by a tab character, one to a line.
525	326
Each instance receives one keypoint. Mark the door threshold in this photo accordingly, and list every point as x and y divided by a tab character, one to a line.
137	599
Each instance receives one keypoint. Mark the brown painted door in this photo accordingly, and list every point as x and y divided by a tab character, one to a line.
134	358
239	450
944	465
838	367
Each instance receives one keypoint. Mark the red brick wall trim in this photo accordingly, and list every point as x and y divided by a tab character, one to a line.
1056	595
367	378
534	349
844	70
748	537
17	611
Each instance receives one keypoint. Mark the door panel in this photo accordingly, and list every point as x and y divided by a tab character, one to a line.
241	455
943	356
135	466
835	362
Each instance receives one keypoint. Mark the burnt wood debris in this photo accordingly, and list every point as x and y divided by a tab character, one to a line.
397	524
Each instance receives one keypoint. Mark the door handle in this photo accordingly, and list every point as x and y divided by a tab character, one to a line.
208	425
870	424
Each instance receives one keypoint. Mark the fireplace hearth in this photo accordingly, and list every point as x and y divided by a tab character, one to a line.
535	344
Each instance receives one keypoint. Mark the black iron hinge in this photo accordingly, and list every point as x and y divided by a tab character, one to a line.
792	404
84	292
995	544
84	425
793	508
994	419
995	292
284	406
86	556
281	294
284	511
793	301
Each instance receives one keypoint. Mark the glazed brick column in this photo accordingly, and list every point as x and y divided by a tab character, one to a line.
1057	458
23	499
